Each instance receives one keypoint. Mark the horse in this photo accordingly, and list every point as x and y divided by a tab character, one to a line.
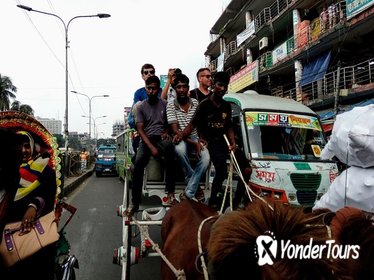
230	242
179	230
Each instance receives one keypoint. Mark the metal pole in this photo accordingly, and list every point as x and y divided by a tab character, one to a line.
90	116
66	27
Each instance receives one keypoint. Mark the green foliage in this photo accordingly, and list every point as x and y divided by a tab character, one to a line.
7	91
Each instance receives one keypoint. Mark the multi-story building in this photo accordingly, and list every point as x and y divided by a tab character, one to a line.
320	53
126	111
117	128
53	126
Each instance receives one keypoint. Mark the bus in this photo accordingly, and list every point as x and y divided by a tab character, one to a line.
124	153
283	140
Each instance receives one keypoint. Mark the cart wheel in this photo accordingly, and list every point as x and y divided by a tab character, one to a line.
126	232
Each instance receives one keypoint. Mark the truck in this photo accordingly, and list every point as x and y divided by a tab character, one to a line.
106	160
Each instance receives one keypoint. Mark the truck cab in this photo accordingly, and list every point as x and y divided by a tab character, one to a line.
283	140
106	160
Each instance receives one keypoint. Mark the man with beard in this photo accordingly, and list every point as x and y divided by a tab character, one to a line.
213	120
179	113
151	124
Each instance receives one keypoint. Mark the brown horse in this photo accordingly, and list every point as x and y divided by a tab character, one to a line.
179	235
232	249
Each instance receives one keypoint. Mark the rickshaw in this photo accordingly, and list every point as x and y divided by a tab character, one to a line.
14	121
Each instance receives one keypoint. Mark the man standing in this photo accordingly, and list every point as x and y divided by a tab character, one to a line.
151	124
83	158
146	71
204	77
179	114
213	120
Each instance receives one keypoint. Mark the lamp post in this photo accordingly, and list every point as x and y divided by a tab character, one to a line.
96	128
66	28
94	120
90	108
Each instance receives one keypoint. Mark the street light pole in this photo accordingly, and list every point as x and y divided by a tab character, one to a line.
66	28
89	107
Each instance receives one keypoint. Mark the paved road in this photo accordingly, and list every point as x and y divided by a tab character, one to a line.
96	230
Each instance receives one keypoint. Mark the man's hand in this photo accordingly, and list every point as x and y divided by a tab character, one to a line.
165	136
232	148
177	138
154	151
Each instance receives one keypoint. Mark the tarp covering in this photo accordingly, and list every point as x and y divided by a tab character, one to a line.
316	69
352	139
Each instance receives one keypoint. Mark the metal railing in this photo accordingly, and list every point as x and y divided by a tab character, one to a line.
230	49
351	78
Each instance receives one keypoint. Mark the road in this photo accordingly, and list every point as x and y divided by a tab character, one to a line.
96	230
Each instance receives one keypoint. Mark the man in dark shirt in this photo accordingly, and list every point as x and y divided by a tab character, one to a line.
213	121
204	77
152	126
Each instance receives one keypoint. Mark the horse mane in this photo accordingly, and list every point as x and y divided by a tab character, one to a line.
357	229
232	244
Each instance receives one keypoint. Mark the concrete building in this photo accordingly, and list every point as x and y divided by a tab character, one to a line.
53	126
317	52
117	128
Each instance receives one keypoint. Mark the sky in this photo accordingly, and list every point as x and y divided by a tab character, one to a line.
105	55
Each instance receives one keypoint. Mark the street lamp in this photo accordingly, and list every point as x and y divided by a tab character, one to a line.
94	120
89	107
96	128
66	27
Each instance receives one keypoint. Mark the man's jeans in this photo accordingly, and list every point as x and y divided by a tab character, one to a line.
167	154
192	176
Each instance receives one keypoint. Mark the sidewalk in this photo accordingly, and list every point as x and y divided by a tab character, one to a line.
72	182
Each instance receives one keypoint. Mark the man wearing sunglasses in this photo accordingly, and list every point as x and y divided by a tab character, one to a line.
146	71
152	127
204	77
179	114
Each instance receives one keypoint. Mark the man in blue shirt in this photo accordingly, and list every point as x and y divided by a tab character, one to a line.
146	71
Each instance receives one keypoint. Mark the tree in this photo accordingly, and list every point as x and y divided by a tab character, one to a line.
24	108
7	91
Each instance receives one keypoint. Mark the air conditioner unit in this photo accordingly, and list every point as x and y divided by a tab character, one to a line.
263	43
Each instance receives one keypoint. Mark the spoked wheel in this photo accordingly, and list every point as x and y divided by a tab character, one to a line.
126	234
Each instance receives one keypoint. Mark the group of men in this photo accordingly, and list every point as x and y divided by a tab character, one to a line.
173	124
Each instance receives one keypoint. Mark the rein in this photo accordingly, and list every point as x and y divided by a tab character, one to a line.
200	247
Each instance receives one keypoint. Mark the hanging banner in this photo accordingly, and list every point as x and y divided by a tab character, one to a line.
244	35
279	53
245	77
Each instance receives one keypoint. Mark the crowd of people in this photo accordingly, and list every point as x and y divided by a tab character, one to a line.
176	124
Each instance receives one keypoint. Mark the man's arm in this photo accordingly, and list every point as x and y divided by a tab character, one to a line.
164	93
231	138
145	139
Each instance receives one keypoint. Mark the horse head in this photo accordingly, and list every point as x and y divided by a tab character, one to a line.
233	251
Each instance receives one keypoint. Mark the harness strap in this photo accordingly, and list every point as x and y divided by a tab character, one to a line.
237	168
200	247
179	273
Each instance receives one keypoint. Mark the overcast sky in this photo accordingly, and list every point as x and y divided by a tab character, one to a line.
105	55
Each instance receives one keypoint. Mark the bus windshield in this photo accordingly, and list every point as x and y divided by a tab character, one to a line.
284	136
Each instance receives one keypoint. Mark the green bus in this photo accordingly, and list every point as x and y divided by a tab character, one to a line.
124	153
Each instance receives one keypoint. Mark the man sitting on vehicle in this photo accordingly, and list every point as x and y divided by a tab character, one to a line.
152	127
179	113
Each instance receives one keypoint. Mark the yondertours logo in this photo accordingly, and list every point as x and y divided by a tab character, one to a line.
267	250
